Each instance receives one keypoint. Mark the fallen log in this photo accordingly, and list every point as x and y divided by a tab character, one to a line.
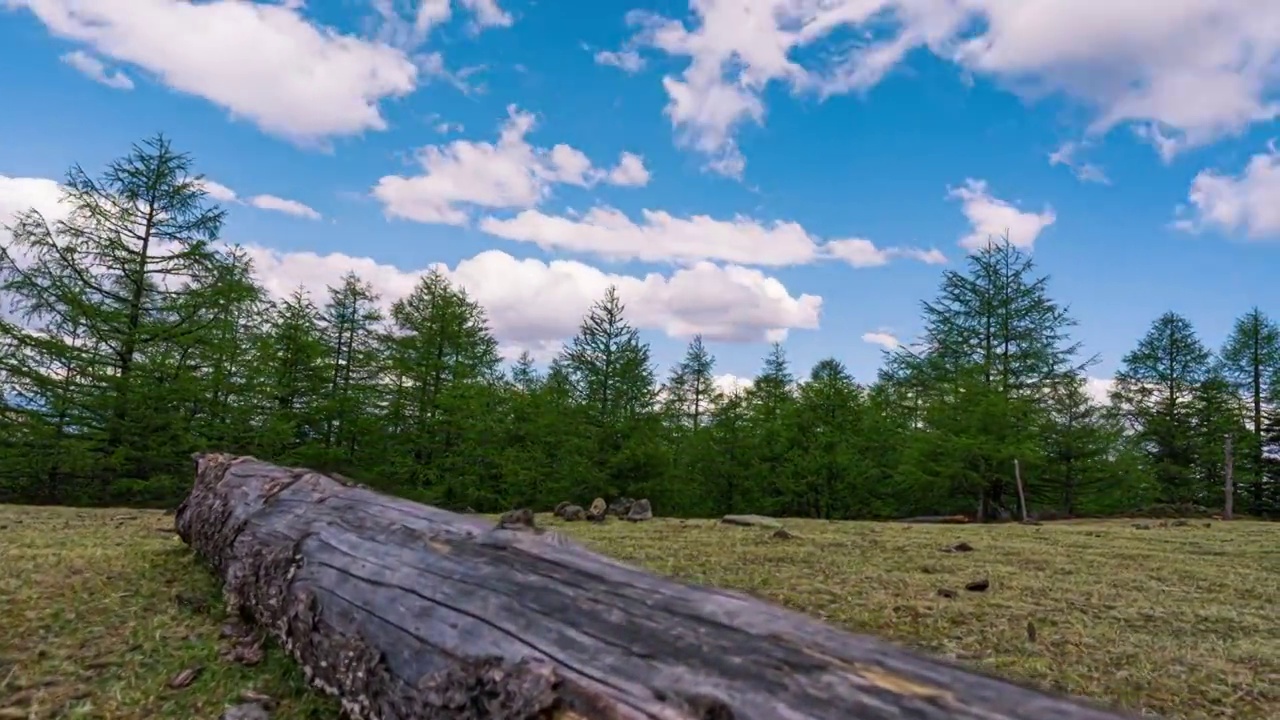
408	612
937	519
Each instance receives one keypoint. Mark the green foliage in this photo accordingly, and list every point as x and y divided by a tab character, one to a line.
136	338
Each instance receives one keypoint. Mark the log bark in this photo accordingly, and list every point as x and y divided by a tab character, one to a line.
408	612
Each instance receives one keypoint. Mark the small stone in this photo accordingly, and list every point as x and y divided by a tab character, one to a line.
560	506
978	585
186	677
620	507
1031	631
598	507
573	513
245	711
960	547
520	519
946	593
750	521
253	696
640	510
1141	526
783	534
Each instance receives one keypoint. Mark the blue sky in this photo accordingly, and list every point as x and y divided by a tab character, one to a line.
749	169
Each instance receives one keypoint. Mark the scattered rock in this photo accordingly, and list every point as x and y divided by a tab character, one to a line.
960	547
978	585
249	652
560	506
750	521
640	510
621	507
186	677
783	534
946	592
245	711
1031	631
1142	526
235	629
1208	525
263	699
598	510
1179	523
573	513
519	519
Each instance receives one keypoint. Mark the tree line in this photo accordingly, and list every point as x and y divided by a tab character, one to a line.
132	337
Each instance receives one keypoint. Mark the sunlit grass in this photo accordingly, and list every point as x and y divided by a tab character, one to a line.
99	609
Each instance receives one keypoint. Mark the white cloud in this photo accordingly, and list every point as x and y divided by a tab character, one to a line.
218	191
20	194
1192	71
1084	171
535	305
1099	389
222	193
400	24
660	236
731	384
258	61
629	172
510	173
882	338
990	217
627	60
1248	202
289	207
94	69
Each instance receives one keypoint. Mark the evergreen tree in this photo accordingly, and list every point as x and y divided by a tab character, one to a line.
1156	392
608	371
1250	362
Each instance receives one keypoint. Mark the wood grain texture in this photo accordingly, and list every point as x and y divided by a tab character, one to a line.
410	612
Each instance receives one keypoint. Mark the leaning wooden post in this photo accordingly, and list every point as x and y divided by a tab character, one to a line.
1022	496
1228	484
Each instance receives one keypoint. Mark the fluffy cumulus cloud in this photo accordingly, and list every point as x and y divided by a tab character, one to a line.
1185	72
660	236
258	61
1099	389
991	218
1247	203
223	194
20	194
509	173
534	305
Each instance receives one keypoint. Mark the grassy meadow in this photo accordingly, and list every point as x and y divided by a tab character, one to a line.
101	609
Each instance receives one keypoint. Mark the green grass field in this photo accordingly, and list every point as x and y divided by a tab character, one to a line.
99	609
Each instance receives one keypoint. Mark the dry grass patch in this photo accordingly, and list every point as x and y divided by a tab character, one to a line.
101	608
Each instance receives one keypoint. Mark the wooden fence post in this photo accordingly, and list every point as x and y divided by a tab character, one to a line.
1228	484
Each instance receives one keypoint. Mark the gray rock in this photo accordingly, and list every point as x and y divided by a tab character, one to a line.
640	510
245	711
751	521
573	513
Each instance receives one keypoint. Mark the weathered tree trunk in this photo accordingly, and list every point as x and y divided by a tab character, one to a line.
409	612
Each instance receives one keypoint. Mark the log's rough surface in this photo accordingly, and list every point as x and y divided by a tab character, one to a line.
409	612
